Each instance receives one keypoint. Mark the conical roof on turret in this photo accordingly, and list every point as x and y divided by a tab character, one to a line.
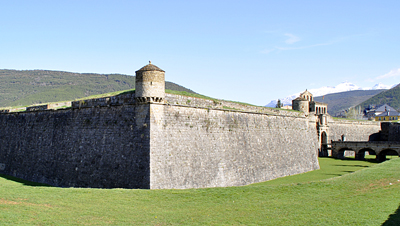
150	67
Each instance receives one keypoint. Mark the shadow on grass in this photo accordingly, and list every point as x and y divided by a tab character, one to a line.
24	182
348	171
393	219
352	165
372	160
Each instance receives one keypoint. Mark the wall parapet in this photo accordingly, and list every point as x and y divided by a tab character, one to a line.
179	100
122	99
37	108
239	111
171	99
347	122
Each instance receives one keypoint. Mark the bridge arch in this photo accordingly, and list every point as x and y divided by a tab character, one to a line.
360	155
341	152
382	154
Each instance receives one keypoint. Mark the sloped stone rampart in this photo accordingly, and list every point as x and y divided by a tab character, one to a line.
199	147
186	143
104	147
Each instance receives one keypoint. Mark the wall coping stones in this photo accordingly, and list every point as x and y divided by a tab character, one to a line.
177	100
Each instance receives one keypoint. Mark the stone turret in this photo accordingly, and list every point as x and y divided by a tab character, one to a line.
150	84
301	104
305	103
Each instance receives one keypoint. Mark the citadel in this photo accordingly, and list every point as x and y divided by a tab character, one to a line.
154	140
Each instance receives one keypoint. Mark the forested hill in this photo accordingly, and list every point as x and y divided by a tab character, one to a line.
344	100
19	88
390	97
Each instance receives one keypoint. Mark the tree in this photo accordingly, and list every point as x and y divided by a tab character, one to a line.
354	113
278	104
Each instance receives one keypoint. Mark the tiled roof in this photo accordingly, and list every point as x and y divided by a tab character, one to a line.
383	107
306	92
301	98
389	113
150	67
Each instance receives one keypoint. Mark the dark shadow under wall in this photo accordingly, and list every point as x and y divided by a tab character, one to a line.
24	182
393	219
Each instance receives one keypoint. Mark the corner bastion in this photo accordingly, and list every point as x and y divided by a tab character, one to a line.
154	140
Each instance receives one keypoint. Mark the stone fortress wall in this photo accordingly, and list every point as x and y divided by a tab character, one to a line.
352	130
115	142
131	141
200	147
99	146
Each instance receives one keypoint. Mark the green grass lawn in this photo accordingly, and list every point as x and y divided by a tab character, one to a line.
342	192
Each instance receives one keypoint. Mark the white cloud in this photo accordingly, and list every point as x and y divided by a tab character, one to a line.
392	73
291	38
304	47
266	51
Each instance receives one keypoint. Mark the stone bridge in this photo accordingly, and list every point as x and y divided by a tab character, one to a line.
378	148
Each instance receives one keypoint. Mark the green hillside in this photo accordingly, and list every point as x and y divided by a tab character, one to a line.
20	88
390	97
344	100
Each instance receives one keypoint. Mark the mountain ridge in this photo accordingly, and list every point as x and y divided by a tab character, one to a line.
337	102
390	97
342	87
27	87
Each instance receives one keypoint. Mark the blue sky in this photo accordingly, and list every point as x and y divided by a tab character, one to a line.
249	51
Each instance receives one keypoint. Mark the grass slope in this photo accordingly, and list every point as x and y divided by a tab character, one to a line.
390	97
369	196
19	88
344	100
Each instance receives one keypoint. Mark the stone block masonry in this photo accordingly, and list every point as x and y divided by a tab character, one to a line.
115	142
102	147
352	130
199	147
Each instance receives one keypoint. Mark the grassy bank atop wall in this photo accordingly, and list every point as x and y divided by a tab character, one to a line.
116	93
369	196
